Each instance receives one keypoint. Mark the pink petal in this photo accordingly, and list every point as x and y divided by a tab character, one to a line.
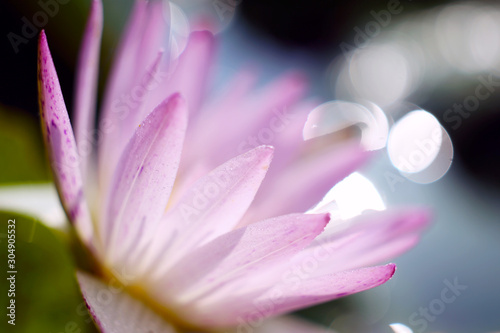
249	118
115	311
145	175
140	45
368	240
234	91
131	120
212	207
155	36
201	128
328	287
86	85
289	143
384	252
122	73
243	254
287	324
273	100
190	77
303	184
294	292
60	143
120	78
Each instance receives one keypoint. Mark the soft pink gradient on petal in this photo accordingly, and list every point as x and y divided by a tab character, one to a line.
131	120
122	72
60	143
238	88
210	208
289	142
243	121
221	237
290	295
115	311
201	128
369	239
115	103
328	287
302	185
191	72
145	175
154	37
243	252
86	87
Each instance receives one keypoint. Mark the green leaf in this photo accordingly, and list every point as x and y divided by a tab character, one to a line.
21	148
47	296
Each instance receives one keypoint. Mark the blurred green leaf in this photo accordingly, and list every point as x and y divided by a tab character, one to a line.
21	148
47	297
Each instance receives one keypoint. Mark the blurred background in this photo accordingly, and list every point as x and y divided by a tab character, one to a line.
383	59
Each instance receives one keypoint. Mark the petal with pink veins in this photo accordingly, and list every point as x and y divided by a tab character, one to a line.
331	286
60	143
243	253
369	239
210	208
293	293
118	101
144	177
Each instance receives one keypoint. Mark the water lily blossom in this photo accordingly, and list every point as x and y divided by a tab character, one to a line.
197	209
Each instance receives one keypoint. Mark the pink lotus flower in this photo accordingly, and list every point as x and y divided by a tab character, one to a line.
193	219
